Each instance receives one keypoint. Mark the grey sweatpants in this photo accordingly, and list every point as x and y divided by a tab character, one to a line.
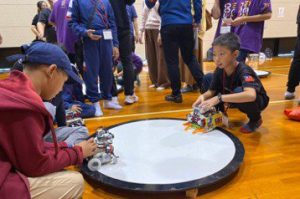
70	135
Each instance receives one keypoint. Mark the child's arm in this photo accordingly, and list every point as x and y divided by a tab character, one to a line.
207	95
256	18
216	11
249	95
34	156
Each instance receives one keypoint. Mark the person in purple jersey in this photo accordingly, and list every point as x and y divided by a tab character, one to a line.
249	25
63	32
224	10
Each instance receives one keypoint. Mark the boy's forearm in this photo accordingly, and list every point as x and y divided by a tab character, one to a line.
243	97
209	94
258	18
216	11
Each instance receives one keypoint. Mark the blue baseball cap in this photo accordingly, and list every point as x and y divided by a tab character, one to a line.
48	54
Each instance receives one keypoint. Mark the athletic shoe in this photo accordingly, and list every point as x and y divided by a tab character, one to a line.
152	86
251	126
115	100
161	88
130	99
187	89
173	98
98	111
289	95
108	104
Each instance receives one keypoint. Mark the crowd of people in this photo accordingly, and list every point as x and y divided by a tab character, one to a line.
89	39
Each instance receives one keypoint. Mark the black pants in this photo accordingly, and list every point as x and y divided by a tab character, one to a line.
251	109
125	48
133	43
175	37
294	74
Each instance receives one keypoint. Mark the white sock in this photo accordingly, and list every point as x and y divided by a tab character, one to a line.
98	111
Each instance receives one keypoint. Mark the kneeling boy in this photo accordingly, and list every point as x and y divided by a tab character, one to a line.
233	83
29	166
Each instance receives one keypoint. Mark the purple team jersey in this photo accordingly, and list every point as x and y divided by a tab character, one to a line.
251	34
228	10
64	34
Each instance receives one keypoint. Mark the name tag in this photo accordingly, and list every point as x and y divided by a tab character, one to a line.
225	29
107	34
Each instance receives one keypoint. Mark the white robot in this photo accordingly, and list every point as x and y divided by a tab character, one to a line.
105	152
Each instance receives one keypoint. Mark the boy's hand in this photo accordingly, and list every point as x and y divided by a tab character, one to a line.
198	101
76	108
227	22
88	147
210	103
116	53
197	25
141	38
93	37
159	42
238	21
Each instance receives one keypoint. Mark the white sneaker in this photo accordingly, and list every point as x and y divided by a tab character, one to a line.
152	86
161	88
130	99
108	104
98	111
289	95
115	100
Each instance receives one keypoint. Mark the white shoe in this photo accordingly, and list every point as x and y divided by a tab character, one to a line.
98	111
161	88
289	95
115	100
108	104
152	86
130	99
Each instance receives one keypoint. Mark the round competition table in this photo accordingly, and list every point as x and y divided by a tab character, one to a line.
158	155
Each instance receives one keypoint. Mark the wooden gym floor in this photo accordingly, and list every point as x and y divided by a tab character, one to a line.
271	164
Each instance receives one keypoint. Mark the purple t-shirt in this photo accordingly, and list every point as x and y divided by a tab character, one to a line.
63	32
251	34
228	10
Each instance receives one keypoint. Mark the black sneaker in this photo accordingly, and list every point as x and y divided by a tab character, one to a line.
173	98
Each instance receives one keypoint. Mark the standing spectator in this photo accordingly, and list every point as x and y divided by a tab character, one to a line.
294	74
45	29
177	33
249	25
134	27
63	32
225	11
100	45
124	37
40	6
185	74
150	25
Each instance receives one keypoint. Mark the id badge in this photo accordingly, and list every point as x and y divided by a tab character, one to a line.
225	120
225	29
107	34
